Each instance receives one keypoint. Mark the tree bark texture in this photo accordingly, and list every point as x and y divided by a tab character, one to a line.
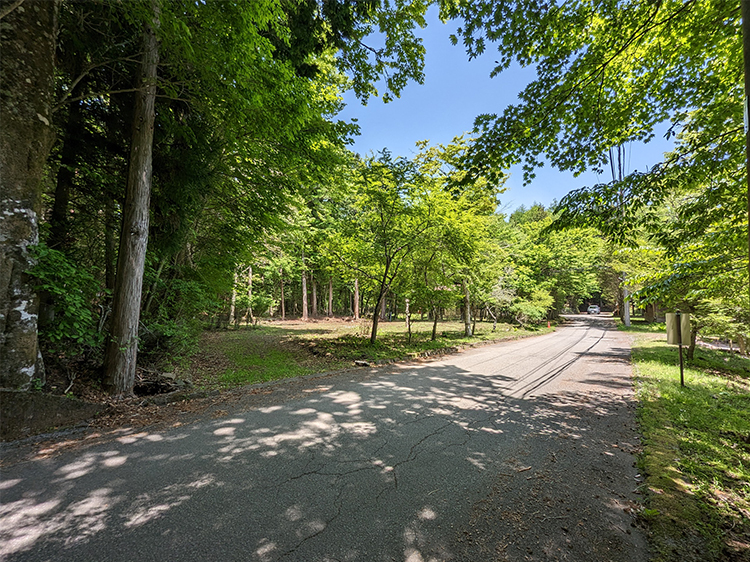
122	348
468	332
356	299
434	322
233	302
625	302
27	69
250	293
314	297
58	234
305	314
110	244
408	319
330	297
376	319
283	304
494	318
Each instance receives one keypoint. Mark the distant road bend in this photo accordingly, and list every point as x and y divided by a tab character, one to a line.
516	451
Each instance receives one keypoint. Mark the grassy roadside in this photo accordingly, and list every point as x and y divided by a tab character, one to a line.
696	455
277	350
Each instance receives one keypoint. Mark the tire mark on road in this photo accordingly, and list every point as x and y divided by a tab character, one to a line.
512	388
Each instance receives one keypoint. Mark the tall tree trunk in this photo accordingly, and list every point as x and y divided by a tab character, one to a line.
110	245
304	289
58	233
467	309
434	322
28	35
330	297
305	316
494	318
650	313
376	320
314	297
408	319
356	299
250	293
122	348
283	304
233	302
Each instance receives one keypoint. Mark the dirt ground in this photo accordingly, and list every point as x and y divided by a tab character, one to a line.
72	396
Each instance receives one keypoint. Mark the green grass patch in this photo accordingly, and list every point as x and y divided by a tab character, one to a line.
277	350
393	340
640	326
260	367
696	453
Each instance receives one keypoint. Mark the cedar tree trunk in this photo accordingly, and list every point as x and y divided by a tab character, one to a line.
305	316
122	348
356	299
314	296
233	302
330	297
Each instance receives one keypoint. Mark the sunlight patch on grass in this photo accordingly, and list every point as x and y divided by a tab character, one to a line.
696	452
640	326
260	367
277	350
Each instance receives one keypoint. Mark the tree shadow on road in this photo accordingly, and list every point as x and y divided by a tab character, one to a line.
426	462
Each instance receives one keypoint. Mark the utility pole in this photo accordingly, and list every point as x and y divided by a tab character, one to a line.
618	175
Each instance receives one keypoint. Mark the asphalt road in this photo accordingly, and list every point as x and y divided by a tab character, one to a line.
516	451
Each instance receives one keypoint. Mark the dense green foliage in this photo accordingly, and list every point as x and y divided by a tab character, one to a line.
71	326
245	120
609	73
255	198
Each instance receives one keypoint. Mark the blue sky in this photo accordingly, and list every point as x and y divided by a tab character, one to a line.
454	92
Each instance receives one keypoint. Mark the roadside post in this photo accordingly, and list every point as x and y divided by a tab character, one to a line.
678	330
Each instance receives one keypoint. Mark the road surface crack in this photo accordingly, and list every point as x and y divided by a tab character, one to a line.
327	523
